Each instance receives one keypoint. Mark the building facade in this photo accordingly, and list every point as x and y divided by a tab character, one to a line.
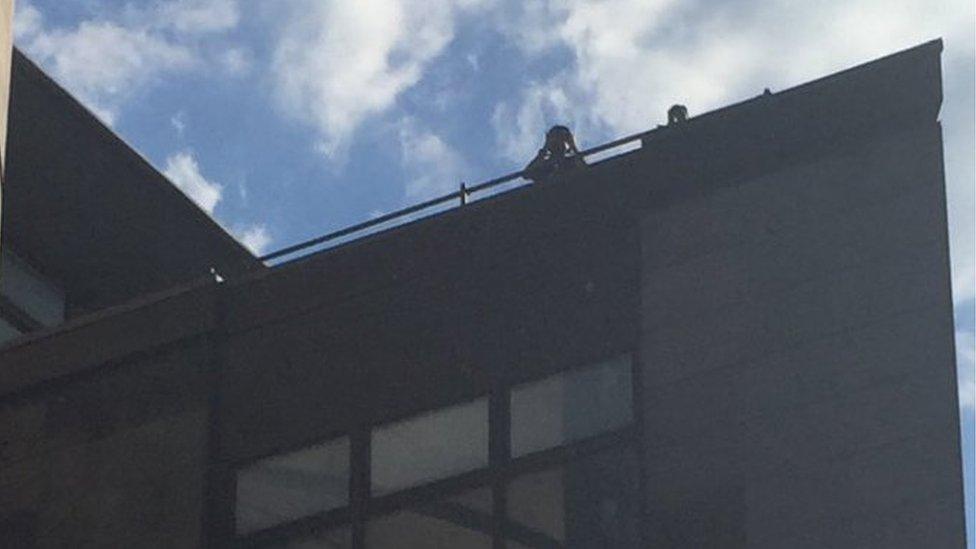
738	335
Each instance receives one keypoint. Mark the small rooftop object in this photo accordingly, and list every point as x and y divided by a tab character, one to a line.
677	114
557	154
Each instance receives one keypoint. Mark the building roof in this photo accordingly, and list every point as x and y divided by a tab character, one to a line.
722	148
91	213
744	138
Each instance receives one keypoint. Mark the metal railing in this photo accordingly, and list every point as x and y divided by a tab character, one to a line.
461	196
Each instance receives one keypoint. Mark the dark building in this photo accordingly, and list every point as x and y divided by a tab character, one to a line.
738	335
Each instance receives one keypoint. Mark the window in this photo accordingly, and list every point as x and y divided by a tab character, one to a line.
588	503
571	406
428	447
28	291
7	331
461	522
291	486
583	496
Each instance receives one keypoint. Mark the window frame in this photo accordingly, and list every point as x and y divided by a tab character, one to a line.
502	466
345	442
471	404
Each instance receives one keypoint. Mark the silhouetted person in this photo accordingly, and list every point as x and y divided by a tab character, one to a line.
559	153
677	114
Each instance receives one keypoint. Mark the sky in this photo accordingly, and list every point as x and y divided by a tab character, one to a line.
285	120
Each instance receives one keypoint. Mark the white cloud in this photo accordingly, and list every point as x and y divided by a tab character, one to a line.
433	167
966	356
182	169
958	117
178	121
102	63
28	20
235	61
106	60
338	63
635	58
963	269
198	16
520	126
254	237
632	59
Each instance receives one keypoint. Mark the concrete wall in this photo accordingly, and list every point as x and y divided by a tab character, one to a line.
91	214
797	350
6	46
531	284
116	458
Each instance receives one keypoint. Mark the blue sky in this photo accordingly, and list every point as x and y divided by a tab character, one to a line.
287	119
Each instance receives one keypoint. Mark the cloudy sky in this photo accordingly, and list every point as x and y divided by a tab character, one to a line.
287	119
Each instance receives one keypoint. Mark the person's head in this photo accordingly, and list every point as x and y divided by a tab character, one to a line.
559	140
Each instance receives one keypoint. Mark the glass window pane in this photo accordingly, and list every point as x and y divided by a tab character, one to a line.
571	406
428	447
287	487
30	291
588	503
7	331
462	522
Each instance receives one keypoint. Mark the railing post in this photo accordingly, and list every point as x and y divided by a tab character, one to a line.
464	194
